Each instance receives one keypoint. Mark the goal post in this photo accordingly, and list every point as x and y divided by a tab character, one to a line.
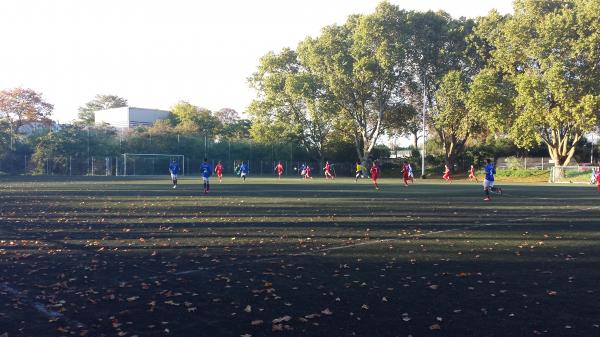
581	174
136	164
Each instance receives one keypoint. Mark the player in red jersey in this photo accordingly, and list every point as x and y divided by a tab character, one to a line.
406	173
279	170
447	176
375	174
472	174
598	177
307	171
219	170
327	170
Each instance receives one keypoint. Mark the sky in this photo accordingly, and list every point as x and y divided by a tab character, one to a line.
155	53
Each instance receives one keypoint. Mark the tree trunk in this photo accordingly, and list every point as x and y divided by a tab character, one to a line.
416	140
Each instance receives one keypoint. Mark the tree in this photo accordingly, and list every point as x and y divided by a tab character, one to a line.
200	119
20	106
292	104
362	64
227	116
100	102
451	118
239	129
548	53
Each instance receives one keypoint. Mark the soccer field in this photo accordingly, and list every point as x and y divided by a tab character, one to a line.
134	257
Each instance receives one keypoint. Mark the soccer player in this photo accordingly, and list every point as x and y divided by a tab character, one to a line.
411	175
598	177
307	171
206	172
488	181
406	172
472	174
327	170
279	170
303	170
593	179
375	174
446	175
219	170
244	171
174	170
359	171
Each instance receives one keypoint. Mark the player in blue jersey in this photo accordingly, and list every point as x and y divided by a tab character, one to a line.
206	172
488	181
174	170
244	170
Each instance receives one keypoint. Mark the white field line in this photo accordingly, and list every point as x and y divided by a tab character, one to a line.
414	236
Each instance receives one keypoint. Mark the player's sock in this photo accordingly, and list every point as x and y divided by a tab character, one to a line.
207	186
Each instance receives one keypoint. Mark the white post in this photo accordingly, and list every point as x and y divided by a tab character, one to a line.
124	164
424	136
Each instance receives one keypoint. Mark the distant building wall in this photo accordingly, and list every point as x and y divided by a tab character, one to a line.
129	117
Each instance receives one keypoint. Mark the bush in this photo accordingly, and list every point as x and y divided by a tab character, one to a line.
520	173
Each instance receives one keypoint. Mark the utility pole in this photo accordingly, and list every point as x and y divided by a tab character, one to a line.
424	132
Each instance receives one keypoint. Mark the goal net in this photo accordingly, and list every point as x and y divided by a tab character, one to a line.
573	174
139	164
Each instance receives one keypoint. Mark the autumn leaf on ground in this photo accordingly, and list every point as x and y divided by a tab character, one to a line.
282	319
327	312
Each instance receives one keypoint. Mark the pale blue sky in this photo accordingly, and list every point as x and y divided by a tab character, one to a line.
155	53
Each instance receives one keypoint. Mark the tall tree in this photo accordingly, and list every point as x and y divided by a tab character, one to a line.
20	107
362	64
100	102
548	52
451	117
291	105
197	118
227	116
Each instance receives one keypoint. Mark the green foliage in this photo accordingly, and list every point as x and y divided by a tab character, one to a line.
545	59
520	173
452	120
100	102
196	120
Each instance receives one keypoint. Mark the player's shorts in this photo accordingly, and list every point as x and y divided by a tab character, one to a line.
243	174
374	176
205	179
173	176
219	174
410	174
405	175
487	184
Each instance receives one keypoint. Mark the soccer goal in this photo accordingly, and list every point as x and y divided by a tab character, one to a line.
573	174
140	164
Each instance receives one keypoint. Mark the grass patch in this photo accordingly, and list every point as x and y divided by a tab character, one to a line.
296	258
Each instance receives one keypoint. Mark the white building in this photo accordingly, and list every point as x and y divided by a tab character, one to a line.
129	117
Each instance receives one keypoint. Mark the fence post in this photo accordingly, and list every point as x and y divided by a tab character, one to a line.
92	166
526	163
70	169
542	163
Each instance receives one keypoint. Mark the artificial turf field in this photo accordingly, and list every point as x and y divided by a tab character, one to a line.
133	257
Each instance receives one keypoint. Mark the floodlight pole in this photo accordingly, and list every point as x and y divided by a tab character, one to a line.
424	134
